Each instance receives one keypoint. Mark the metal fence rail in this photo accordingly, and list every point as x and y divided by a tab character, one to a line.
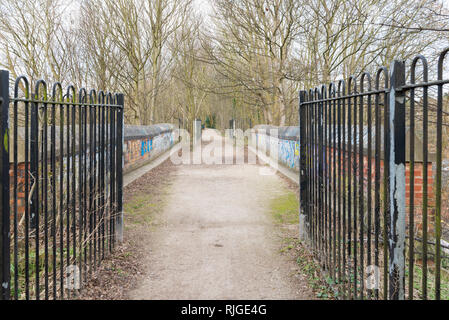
376	232
61	183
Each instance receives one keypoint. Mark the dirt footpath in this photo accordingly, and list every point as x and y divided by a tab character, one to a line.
216	239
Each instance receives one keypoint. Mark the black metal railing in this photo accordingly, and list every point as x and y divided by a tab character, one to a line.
371	182
61	181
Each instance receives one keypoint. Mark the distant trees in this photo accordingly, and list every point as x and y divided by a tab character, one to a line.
247	61
269	49
128	42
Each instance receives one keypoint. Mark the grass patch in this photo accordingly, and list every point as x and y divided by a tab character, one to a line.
285	208
417	283
288	244
141	208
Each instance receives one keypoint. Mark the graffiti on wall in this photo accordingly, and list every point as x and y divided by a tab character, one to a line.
156	145
288	150
146	147
289	153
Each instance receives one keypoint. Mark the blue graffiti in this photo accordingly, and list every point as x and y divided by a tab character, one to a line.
146	147
287	152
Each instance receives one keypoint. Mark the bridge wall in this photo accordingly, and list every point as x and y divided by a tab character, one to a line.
142	144
286	145
145	143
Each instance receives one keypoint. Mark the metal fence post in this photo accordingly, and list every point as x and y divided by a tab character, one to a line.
120	164
5	274
397	182
303	179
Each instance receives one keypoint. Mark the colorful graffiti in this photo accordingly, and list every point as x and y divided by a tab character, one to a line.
288	153
288	150
156	145
146	147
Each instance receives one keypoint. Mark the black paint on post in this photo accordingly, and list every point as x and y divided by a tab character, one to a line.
5	273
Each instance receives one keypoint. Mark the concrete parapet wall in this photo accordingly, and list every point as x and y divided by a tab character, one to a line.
142	145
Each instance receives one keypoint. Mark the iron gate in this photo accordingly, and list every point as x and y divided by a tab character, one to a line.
370	196
61	182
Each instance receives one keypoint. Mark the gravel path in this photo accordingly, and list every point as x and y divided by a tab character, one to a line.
216	239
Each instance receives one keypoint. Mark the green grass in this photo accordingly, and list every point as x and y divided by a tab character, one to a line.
285	208
417	282
288	244
140	208
32	268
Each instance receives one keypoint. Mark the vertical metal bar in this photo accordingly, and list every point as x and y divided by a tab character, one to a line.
90	211
338	145
27	187
112	175
361	188
80	186
316	163
4	188
412	196
95	190
425	199
53	195
107	174
61	201
397	182
325	231
44	195
303	178
386	193
308	171
120	100
317	166
320	207
379	156
312	163
439	178
73	194
335	228
411	177
102	176
312	168
328	182
355	165
351	187
15	199
369	187
34	172
343	181
45	199
85	206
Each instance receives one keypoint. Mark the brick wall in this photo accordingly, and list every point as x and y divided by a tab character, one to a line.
21	169
290	158
418	177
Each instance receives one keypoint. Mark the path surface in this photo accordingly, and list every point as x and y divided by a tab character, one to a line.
216	239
